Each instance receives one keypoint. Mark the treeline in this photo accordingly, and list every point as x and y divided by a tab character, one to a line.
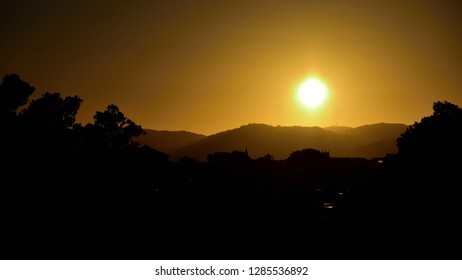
89	191
68	186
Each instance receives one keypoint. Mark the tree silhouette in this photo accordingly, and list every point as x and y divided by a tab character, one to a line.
114	129
52	112
426	179
307	156
46	123
14	93
435	137
266	158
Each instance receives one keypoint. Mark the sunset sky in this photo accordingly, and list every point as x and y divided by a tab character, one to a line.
208	65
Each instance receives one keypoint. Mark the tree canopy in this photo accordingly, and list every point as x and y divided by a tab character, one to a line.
118	131
51	111
50	121
435	136
14	93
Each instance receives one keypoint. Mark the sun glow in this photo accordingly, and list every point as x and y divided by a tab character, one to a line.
312	92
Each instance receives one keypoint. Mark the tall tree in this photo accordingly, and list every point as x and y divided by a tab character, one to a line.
116	129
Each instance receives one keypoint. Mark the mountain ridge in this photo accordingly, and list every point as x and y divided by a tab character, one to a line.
368	141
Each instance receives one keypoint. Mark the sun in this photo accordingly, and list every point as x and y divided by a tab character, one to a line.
312	93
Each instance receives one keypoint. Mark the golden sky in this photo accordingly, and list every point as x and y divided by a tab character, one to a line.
207	66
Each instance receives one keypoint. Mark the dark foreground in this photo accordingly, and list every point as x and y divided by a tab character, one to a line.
231	207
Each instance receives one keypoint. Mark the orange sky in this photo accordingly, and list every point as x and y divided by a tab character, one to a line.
207	66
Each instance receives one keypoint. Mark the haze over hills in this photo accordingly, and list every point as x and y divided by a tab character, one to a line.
369	141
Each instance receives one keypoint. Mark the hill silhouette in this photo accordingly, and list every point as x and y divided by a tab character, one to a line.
369	141
168	141
377	139
371	133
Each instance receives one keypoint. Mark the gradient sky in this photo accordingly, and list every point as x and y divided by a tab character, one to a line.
207	65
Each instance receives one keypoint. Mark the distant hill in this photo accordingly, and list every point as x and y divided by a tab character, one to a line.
260	139
376	132
168	141
377	139
339	129
368	141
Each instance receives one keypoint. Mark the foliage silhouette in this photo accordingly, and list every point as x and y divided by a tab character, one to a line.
421	181
14	93
49	121
307	156
435	137
266	158
116	131
52	112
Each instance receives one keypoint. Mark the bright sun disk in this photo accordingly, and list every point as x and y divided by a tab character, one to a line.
312	92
